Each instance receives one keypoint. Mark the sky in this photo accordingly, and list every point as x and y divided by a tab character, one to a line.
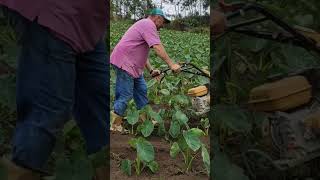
168	8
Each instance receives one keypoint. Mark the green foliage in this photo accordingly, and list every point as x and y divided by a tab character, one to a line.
145	157
181	46
188	145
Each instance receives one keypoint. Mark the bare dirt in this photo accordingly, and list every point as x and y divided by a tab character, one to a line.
169	168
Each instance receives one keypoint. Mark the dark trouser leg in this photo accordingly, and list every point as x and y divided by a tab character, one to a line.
45	90
91	108
123	91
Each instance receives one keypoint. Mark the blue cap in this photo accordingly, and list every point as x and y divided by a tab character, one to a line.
158	11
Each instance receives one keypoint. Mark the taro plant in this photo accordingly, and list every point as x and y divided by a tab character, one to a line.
145	157
205	124
144	120
187	141
189	146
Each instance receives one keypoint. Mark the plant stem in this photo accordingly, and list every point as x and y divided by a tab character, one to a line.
138	163
190	162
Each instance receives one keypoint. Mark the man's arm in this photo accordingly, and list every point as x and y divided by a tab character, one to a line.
161	52
148	66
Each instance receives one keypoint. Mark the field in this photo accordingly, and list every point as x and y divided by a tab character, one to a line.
178	147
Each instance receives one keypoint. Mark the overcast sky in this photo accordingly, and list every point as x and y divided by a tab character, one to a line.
168	8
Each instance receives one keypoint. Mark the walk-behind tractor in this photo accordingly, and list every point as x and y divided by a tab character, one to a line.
200	95
291	101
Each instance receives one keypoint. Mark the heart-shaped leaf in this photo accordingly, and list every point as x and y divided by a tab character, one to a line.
205	158
165	92
181	117
133	117
147	128
153	166
174	130
174	150
192	140
145	150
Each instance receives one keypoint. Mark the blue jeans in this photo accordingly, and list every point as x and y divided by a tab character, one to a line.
54	83
127	88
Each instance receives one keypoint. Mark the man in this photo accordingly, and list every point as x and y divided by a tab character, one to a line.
62	69
130	57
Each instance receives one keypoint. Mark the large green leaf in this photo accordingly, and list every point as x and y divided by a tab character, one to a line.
133	142
133	117
151	83
174	150
161	129
181	99
181	117
147	128
126	166
153	166
174	130
192	140
182	144
165	92
198	132
205	158
155	116
145	150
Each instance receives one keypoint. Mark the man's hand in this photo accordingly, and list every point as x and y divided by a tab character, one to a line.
176	68
155	72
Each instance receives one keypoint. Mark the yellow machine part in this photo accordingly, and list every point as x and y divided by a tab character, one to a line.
281	95
198	91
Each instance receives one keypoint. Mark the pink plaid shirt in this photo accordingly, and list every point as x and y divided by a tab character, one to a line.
131	53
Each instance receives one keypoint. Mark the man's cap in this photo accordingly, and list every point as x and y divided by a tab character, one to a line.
158	11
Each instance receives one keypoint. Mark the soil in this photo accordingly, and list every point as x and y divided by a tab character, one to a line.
169	168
